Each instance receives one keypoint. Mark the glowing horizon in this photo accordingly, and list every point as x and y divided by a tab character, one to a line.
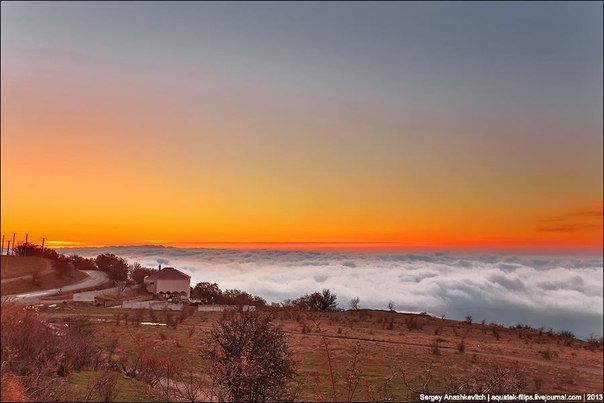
351	125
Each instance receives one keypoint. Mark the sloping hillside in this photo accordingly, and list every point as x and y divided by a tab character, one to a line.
19	266
24	274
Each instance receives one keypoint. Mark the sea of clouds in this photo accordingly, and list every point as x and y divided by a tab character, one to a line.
560	292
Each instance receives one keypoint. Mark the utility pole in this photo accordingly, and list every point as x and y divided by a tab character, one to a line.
26	236
43	247
13	243
6	260
2	247
25	249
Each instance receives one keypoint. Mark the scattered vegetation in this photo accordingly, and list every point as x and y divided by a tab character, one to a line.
210	294
323	301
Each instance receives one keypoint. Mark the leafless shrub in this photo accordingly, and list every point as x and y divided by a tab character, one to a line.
494	379
391	306
354	303
352	375
435	347
35	276
37	352
461	347
468	320
595	343
251	360
190	387
390	325
137	317
187	311
171	319
153	316
413	323
104	388
566	334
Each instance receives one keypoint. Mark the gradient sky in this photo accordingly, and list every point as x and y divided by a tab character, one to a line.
434	124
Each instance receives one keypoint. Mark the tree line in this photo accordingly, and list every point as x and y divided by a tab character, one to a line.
118	270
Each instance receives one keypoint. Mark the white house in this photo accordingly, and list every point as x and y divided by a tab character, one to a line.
168	282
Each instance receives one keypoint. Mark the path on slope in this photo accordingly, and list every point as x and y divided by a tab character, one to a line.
95	278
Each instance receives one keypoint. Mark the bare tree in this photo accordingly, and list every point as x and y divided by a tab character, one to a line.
251	360
354	303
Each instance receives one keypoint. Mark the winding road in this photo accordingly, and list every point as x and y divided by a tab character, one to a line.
95	278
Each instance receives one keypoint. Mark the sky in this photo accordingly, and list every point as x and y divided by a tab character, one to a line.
303	125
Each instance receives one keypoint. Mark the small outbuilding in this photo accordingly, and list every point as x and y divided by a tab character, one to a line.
168	282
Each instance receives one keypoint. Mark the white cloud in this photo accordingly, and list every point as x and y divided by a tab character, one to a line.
558	292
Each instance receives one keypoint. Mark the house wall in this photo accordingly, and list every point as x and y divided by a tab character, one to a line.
151	287
170	285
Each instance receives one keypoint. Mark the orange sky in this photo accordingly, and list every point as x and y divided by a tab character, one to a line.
108	141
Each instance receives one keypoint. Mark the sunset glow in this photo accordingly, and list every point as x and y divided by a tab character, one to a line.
240	126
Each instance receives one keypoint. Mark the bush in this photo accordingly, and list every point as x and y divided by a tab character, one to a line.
237	297
41	354
461	347
116	267
251	360
82	263
62	265
207	293
138	273
413	323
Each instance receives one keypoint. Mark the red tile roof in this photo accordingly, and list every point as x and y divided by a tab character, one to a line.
168	273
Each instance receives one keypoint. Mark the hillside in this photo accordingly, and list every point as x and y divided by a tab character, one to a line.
24	274
391	354
18	266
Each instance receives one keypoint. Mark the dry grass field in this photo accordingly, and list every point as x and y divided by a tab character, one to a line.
17	274
372	355
17	266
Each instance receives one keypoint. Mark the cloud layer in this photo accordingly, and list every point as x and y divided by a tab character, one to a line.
558	292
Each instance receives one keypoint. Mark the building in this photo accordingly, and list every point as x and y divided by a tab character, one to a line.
168	282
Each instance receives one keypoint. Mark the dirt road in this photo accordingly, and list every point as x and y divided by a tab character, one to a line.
95	278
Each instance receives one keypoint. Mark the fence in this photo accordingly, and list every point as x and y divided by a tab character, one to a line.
88	296
155	305
220	308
